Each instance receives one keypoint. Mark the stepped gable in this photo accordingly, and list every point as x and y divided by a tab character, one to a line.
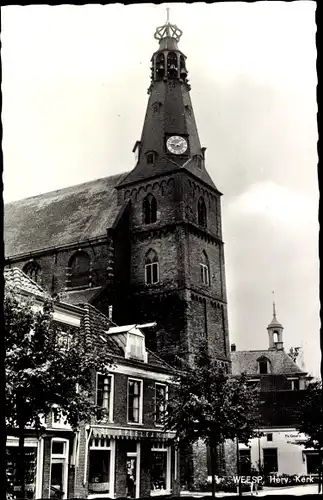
246	361
73	214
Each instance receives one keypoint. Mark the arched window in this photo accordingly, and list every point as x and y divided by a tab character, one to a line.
160	66
79	268
263	365
151	268
149	208
172	65
33	270
201	212
204	269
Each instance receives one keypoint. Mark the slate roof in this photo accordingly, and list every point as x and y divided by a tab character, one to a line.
246	361
57	218
16	278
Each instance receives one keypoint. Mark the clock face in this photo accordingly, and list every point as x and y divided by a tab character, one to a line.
176	144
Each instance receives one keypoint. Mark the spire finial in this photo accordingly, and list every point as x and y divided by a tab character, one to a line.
167	9
168	30
274	305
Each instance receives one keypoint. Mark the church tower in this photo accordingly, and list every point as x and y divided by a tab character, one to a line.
176	259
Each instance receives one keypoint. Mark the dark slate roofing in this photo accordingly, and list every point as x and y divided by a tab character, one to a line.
68	215
246	361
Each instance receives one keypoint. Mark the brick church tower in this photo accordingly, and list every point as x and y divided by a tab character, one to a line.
177	274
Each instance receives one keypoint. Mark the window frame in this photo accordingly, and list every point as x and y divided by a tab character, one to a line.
109	416
105	447
261	362
162	384
60	458
151	266
204	274
163	449
140	406
71	276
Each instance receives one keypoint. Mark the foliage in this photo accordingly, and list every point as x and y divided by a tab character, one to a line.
209	404
41	373
311	415
293	353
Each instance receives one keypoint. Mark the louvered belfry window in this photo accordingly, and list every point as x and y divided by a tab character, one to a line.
79	268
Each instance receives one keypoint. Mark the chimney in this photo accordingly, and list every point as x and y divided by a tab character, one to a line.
110	312
233	348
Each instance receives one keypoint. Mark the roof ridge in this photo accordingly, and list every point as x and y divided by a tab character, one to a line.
66	188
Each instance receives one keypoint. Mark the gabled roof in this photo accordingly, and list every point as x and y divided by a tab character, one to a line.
16	278
73	214
247	361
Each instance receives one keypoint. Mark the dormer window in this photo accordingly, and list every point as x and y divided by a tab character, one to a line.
198	162
151	158
263	366
135	347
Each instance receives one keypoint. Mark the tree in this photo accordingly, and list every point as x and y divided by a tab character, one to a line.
40	373
210	405
311	421
293	353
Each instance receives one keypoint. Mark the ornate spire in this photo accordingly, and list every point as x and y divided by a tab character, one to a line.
168	30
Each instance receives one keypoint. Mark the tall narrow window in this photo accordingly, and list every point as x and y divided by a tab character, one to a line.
201	212
104	392
204	269
149	209
33	270
160	403
160	66
134	400
151	268
172	65
79	267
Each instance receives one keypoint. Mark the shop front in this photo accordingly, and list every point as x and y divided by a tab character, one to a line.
130	462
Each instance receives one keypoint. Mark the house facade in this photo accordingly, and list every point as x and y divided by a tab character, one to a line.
281	447
127	453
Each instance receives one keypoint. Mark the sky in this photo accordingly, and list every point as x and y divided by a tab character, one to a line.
74	86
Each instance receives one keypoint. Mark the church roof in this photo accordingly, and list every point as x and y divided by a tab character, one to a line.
73	214
247	361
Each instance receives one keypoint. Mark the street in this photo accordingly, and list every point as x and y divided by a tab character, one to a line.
306	489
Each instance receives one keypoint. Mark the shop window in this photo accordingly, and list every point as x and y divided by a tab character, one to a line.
33	270
204	270
160	402
79	270
134	401
100	466
13	486
104	394
270	461
201	212
160	469
151	268
149	208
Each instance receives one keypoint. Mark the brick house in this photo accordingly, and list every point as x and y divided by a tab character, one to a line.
126	454
282	383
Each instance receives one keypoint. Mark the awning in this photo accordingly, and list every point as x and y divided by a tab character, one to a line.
138	434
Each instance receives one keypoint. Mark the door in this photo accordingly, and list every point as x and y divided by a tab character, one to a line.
131	476
57	478
270	460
